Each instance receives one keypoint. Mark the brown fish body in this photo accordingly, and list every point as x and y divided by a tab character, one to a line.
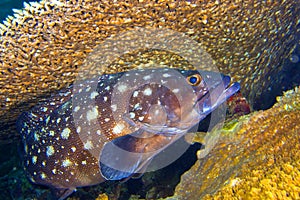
70	140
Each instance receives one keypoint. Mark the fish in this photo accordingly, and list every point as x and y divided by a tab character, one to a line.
112	126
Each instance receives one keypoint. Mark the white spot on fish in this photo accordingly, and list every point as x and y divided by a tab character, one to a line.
147	77
78	129
135	93
118	128
122	88
92	114
88	145
47	120
98	132
26	148
34	159
105	99
88	89
49	151
147	91
136	106
58	120
36	137
106	119
73	149
43	175
76	108
166	75
44	163
83	162
131	115
113	107
54	171
66	163
141	118
175	90
65	133
94	94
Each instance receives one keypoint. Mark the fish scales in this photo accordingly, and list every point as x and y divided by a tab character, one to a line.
67	137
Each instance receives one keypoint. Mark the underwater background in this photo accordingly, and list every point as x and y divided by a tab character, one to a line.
262	161
6	7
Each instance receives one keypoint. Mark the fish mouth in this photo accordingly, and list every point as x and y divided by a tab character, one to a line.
217	93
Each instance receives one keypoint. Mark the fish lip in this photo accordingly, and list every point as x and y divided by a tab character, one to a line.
229	88
226	81
232	89
216	95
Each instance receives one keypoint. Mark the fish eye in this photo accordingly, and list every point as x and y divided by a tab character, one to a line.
194	79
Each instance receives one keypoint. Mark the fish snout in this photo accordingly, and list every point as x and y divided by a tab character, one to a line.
215	93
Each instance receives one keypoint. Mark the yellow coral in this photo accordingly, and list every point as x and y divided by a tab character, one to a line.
102	197
259	160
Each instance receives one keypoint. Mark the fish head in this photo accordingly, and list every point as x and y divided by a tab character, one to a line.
212	89
160	105
172	101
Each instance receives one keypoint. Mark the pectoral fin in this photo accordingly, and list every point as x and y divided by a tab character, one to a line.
127	156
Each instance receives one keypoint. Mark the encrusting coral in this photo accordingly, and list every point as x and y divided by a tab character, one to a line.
255	157
43	45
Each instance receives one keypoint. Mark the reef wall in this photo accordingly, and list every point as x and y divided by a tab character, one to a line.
43	45
255	157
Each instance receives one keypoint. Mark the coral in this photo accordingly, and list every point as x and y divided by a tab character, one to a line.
43	45
102	197
238	105
256	157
